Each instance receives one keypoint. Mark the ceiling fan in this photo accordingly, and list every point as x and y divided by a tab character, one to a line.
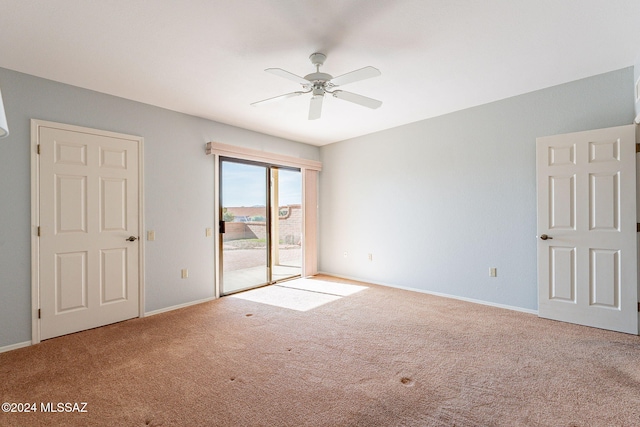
318	84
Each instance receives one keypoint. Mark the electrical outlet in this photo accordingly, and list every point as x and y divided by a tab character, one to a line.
151	235
493	272
370	256
185	273
345	254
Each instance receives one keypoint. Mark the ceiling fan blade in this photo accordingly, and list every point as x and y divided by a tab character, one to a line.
278	98
357	75
315	107
357	99
287	75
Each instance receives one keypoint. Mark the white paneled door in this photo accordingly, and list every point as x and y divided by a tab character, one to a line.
587	251
89	219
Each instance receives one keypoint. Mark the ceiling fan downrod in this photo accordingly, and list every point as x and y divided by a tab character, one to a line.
318	78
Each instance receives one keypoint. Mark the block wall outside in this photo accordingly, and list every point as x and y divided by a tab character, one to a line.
290	226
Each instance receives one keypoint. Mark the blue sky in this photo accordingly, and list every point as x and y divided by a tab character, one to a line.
244	185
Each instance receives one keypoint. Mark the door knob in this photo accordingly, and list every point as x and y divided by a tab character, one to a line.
132	239
545	237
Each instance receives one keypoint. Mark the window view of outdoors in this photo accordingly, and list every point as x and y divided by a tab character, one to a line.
245	241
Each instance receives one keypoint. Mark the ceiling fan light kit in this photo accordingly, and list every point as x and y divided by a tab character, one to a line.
318	84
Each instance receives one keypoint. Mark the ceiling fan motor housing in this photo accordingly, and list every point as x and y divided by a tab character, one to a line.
318	77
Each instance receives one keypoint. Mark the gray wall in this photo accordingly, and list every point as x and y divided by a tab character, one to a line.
178	189
439	202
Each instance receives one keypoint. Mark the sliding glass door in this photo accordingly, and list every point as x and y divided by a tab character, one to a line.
286	226
260	224
243	201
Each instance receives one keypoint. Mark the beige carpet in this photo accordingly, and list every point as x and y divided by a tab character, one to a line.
377	357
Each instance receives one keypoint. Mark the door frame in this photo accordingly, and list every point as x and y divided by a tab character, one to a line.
638	215
309	170
36	124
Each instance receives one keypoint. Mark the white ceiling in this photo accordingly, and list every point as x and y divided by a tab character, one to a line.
206	57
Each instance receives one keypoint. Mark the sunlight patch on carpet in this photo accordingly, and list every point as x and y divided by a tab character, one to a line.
332	288
293	299
300	294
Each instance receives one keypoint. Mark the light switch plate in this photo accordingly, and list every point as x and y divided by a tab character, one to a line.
151	235
208	232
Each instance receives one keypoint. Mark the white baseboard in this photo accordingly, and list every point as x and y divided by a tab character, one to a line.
15	346
149	313
439	294
175	307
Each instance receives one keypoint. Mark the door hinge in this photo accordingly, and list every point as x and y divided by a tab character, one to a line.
638	227
222	227
38	149
639	307
39	313
637	148
38	231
